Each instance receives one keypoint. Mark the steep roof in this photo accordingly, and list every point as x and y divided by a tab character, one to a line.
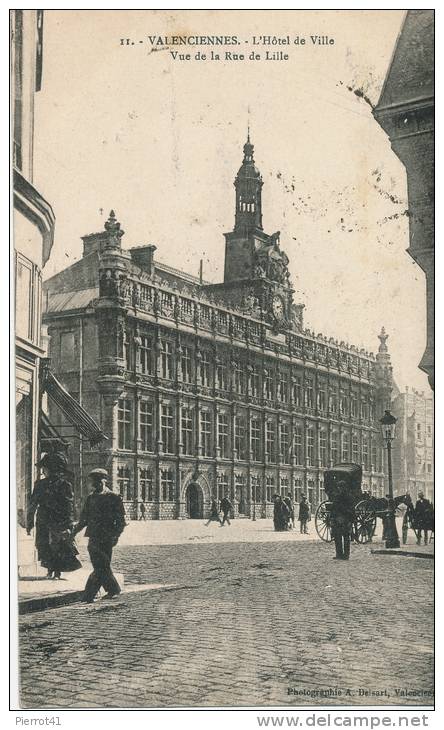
411	73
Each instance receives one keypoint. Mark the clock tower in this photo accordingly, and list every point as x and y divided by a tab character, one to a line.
256	275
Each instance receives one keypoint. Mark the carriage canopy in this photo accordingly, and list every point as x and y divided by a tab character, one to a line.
349	473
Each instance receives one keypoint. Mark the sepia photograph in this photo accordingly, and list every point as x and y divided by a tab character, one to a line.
223	266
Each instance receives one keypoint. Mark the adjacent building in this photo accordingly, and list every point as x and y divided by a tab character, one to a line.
405	111
33	226
413	448
210	389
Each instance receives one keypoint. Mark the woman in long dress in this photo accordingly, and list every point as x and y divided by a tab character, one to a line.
53	500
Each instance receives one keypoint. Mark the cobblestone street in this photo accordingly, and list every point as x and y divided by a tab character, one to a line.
239	623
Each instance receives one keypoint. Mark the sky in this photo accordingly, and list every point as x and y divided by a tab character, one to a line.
160	141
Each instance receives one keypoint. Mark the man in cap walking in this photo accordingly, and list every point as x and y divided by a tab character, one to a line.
103	516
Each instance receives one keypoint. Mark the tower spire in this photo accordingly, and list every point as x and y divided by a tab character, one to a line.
248	184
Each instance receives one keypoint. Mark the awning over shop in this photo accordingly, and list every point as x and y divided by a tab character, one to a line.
50	439
76	415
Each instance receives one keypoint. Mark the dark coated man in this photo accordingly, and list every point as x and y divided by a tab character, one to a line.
214	514
226	508
342	516
304	514
103	516
423	518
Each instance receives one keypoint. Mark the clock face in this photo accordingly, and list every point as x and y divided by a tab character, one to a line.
278	307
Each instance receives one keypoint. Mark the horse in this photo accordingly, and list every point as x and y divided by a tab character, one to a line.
379	507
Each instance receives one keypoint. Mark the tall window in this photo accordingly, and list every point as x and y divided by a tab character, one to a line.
167	427
283	486
374	458
222	376
270	431
222	435
167	485
146	355
255	434
354	406
365	452
333	403
309	399
343	403
323	456
345	446
310	446
185	364
255	488
334	447
205	433
239	378
254	381
146	425
124	483
297	489
297	391
124	422
365	411
298	445
239	437
269	488
222	486
283	386
146	485
187	430
166	360
284	442
322	398
355	449
268	384
205	368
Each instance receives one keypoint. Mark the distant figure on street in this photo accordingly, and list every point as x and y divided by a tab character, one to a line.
53	501
214	515
103	516
342	515
304	514
424	518
289	502
142	512
226	508
281	514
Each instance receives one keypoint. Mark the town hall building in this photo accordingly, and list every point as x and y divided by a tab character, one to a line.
209	389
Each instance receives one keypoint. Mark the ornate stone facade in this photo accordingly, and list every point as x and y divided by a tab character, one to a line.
206	389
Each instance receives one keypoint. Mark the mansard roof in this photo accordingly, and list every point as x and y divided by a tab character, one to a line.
410	77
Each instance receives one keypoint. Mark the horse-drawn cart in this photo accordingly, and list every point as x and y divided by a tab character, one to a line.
364	522
366	507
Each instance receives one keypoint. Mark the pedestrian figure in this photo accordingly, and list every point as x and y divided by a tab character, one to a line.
142	512
214	516
423	518
342	514
289	502
281	514
103	516
304	514
226	508
53	500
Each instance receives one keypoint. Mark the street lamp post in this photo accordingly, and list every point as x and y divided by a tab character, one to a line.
388	428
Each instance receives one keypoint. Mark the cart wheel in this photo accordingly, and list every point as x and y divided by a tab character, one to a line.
323	521
365	522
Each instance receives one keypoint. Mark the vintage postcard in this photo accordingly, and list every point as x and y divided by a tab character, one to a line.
223	250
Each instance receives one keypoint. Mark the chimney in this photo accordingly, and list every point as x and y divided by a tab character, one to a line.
143	256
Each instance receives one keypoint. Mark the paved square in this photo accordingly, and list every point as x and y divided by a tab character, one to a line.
238	623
